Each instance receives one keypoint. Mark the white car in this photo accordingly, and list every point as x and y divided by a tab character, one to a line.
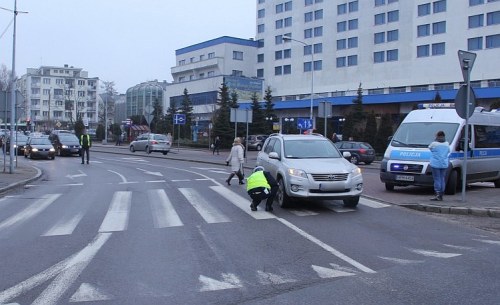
150	142
310	167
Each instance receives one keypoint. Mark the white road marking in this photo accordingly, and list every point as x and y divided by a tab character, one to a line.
325	273
340	209
459	247
372	203
65	226
181	180
29	212
229	281
89	293
400	260
208	212
81	174
241	202
432	253
219	172
150	173
492	242
116	218
202	179
326	247
155	181
302	212
163	211
267	278
124	180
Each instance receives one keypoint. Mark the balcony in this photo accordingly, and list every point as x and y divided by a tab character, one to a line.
193	66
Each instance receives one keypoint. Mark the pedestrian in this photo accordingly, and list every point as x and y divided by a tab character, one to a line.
118	140
236	159
216	145
261	185
440	149
335	138
86	144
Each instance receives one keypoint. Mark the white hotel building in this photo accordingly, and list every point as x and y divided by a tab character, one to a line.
401	52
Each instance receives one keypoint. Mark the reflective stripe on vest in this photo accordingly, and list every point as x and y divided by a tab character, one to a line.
257	179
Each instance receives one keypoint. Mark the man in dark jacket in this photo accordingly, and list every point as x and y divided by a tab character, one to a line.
261	185
86	144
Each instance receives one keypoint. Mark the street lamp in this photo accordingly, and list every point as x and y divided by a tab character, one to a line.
288	38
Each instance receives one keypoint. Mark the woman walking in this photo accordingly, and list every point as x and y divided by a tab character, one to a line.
236	159
440	149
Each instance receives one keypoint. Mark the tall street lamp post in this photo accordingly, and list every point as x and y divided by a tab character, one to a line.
288	38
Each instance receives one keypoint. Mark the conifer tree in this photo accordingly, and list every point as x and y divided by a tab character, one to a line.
221	125
258	125
186	108
370	128
269	110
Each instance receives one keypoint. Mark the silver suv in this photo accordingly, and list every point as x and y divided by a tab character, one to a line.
150	142
310	167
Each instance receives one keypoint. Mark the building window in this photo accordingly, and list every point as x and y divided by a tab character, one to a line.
318	31
288	22
341	62
262	1
352	60
493	18
46	81
475	2
423	30
379	37
392	16
278	39
352	42
353	6
182	79
46	91
260	73
211	73
287	53
423	51
342	9
379	19
308	17
307	66
353	24
202	57
378	57
260	58
278	55
392	55
278	23
379	2
35	90
318	48
260	28
287	69
81	93
237	55
279	8
492	41
201	75
59	81
341	26
393	35
211	55
308	33
318	14
438	48
261	13
476	21
439	6
424	9
260	43
391	1
318	65
475	43
439	27
307	50
288	6
234	73
278	70
341	44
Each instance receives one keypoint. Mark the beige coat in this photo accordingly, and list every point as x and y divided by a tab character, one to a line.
236	157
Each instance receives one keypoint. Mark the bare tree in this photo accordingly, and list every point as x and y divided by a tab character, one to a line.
108	101
5	78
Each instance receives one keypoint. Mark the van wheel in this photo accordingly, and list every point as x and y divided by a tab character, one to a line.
165	153
351	202
258	147
389	187
497	183
281	196
451	186
148	149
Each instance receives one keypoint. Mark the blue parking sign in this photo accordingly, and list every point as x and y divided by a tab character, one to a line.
179	119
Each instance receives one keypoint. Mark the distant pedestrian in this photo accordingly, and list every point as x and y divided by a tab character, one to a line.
86	144
440	149
236	159
335	138
261	185
216	145
119	139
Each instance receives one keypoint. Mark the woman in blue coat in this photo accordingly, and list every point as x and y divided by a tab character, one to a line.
440	149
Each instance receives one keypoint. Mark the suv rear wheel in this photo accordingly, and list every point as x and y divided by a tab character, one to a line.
281	196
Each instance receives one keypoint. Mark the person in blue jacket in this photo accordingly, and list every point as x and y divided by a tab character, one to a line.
440	149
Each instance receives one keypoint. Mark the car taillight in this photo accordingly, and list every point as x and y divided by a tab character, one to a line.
362	151
154	142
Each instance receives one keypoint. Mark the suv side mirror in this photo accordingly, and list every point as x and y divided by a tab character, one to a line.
347	155
274	155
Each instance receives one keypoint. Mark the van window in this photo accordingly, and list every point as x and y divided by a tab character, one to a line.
421	134
487	136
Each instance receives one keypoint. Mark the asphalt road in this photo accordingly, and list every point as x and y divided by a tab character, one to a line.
129	229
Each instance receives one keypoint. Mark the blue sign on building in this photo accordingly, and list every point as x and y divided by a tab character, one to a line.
304	123
179	119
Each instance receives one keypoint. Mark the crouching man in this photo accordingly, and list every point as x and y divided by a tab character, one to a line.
261	185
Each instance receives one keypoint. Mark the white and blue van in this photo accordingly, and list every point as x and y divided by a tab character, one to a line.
406	159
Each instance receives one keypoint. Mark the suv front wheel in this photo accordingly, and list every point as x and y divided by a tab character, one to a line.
281	196
351	202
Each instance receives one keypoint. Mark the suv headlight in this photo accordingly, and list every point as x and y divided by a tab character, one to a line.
356	171
297	172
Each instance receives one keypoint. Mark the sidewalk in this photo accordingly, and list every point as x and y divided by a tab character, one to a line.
481	198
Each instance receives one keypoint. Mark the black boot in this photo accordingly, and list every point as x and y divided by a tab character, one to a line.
438	197
228	181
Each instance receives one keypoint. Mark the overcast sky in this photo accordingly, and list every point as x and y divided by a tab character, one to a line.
125	41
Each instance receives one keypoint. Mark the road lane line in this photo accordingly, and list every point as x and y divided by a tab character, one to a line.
241	202
124	180
163	211
372	203
65	226
328	248
29	212
208	212
116	218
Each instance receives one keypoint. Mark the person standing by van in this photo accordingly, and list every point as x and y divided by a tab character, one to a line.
440	149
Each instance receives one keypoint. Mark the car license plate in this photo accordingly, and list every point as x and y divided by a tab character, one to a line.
405	178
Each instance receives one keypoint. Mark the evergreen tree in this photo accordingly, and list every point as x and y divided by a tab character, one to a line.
186	108
221	125
170	119
259	122
358	106
348	127
234	100
383	133
79	127
269	110
437	98
370	128
157	124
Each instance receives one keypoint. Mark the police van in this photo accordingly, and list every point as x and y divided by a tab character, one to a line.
406	159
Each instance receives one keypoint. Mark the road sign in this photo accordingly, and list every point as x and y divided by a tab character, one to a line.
325	110
304	123
461	102
241	115
86	122
179	119
466	62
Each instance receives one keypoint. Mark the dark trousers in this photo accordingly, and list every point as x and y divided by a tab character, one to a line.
85	150
258	194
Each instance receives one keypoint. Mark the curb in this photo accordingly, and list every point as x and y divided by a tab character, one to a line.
22	182
431	208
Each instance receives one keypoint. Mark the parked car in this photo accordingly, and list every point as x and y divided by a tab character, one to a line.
310	167
39	147
255	142
150	142
19	143
65	144
360	151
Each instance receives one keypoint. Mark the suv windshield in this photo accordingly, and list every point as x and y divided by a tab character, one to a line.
299	149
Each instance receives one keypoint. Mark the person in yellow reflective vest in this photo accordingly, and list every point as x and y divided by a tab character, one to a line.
261	185
85	143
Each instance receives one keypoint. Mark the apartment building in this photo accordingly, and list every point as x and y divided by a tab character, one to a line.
54	97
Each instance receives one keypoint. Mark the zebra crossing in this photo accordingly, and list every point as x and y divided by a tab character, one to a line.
161	208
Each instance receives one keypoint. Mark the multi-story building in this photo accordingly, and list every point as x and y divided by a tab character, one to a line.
54	97
399	52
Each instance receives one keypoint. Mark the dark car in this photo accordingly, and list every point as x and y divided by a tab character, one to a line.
65	144
360	151
19	143
39	147
255	142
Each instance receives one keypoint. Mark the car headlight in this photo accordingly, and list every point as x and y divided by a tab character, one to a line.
52	149
356	171
35	149
65	146
297	172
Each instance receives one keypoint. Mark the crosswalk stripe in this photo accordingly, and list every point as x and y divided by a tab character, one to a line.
163	211
65	226
302	212
209	213
116	218
29	212
241	202
372	203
